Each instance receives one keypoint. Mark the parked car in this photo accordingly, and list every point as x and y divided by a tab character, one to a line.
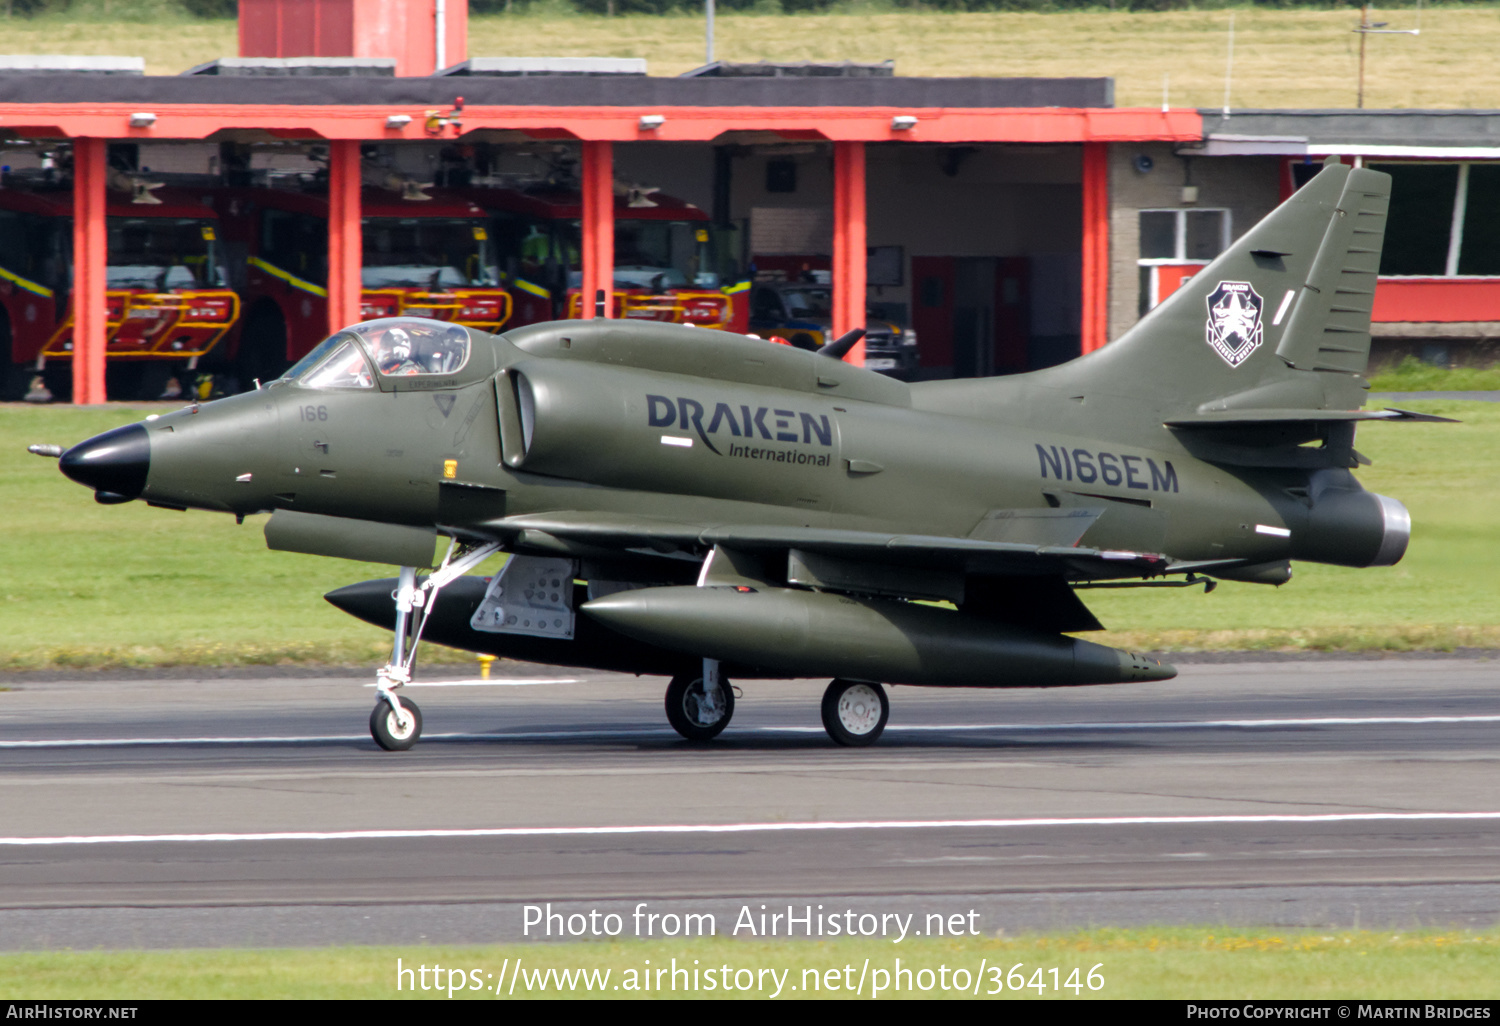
803	314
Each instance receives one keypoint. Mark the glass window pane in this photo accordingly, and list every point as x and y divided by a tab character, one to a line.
414	345
346	368
1158	234
1205	234
1480	253
1416	234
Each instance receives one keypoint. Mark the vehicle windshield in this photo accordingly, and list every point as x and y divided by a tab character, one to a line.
162	253
403	346
663	254
808	302
429	253
654	255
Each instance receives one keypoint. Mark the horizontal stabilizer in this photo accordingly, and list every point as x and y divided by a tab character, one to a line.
1257	418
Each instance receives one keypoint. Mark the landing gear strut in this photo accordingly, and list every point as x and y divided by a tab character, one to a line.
854	712
700	705
396	725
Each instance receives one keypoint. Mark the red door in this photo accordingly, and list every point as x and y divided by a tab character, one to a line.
932	310
1012	314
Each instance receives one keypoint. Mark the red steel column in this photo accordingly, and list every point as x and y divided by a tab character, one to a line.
90	242
849	243
1094	330
598	226
345	245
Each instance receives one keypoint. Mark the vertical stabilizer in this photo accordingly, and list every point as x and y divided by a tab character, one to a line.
1329	325
1281	319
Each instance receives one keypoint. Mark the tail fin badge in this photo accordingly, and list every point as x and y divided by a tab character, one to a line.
1234	321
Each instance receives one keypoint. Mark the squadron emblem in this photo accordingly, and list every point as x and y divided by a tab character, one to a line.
1234	327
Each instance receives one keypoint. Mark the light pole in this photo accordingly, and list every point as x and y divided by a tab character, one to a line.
1367	27
708	48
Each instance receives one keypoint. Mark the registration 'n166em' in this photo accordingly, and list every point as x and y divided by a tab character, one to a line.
1113	469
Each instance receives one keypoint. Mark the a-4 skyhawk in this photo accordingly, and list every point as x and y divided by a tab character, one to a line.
709	506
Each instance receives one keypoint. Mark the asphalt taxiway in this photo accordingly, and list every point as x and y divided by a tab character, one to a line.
172	811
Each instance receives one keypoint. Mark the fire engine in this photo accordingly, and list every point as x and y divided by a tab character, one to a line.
424	255
167	304
669	261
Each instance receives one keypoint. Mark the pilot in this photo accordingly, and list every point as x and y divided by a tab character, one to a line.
397	358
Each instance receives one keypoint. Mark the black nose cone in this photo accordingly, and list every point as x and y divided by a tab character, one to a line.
114	463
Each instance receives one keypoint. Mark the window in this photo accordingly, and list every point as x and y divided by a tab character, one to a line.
345	368
1173	238
1440	218
161	253
402	346
431	252
1181	236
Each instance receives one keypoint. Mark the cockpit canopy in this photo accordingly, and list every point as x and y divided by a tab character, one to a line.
395	348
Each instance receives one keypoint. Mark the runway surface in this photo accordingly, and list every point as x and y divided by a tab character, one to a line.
180	812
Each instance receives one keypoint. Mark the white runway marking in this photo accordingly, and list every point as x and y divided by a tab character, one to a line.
498	682
586	733
748	828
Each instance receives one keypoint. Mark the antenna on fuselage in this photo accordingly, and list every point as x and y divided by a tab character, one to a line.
839	347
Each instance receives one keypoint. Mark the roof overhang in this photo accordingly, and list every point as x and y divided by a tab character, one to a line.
618	124
1217	145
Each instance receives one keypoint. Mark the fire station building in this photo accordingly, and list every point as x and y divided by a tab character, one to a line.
227	217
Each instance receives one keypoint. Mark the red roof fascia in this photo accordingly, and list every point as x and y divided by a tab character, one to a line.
619	124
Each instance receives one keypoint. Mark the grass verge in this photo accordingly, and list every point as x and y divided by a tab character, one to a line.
1283	57
83	585
1166	963
1412	375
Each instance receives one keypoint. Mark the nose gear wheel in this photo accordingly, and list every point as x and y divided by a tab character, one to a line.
396	733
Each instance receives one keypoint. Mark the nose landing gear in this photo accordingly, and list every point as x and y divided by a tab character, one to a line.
395	724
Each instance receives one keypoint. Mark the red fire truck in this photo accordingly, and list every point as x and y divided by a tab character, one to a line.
670	261
422	257
167	304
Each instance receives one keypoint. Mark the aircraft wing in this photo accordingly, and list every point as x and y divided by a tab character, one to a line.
933	552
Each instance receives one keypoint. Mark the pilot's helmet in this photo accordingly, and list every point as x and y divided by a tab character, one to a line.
455	335
400	343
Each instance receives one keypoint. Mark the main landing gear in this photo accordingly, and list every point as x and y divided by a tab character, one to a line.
700	705
854	712
396	724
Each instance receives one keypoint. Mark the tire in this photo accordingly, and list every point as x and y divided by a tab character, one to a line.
854	712
386	732
685	710
803	341
262	350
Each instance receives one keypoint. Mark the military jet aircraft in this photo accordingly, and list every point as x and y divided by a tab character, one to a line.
708	506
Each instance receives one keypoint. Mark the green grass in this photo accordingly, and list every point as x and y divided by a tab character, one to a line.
1412	375
1282	58
1444	593
1157	963
86	585
89	585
